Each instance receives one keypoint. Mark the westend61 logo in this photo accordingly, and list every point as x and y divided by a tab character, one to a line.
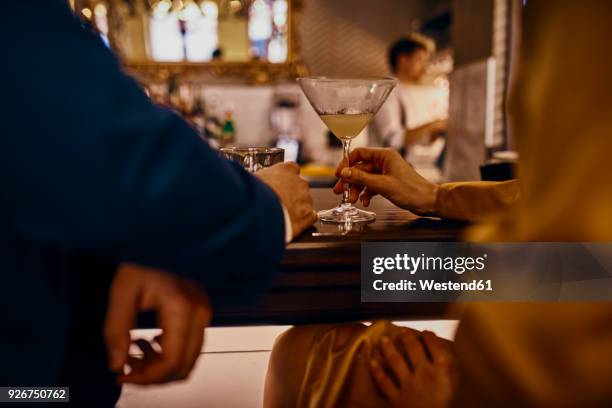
496	271
413	264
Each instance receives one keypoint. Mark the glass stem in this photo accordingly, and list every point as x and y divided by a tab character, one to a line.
346	148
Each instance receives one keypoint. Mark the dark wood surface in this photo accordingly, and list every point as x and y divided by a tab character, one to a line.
319	279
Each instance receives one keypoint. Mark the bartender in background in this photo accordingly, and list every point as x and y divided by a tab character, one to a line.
414	117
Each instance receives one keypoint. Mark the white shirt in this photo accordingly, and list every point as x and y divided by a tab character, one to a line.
408	107
288	226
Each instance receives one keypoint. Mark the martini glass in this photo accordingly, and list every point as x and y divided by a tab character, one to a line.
346	106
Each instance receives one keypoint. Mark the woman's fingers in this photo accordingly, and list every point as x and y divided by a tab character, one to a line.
343	163
375	156
366	196
338	187
354	192
355	188
383	381
355	175
395	360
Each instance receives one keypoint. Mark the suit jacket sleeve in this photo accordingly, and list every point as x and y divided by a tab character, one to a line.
89	164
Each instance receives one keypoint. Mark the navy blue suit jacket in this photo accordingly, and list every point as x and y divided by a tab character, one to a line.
93	174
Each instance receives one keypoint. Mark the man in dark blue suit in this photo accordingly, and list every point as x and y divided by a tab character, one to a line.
94	176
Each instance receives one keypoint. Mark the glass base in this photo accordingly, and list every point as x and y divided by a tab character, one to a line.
346	213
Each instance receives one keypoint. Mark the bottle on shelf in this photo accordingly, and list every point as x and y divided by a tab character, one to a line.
228	133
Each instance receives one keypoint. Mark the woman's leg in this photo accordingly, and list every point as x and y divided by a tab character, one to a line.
289	360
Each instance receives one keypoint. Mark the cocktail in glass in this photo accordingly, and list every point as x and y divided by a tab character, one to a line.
346	106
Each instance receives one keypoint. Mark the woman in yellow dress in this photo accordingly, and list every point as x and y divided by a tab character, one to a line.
519	354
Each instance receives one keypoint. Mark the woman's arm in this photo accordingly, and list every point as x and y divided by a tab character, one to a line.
385	172
472	199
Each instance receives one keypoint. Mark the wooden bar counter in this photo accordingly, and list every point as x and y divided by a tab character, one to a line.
319	279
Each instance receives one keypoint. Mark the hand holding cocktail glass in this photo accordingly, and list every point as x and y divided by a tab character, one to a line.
385	172
346	106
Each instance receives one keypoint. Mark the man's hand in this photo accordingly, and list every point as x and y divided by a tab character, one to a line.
183	312
293	192
415	370
385	172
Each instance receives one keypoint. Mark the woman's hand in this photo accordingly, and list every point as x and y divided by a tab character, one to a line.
385	172
415	370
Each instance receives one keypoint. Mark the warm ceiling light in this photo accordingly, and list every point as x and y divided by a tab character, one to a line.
161	8
177	5
210	9
86	12
190	11
235	6
100	10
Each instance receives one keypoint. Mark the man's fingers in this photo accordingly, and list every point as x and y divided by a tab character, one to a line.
305	216
175	316
413	348
439	349
383	381
195	342
201	320
147	348
175	320
139	364
292	167
182	311
155	367
136	365
120	316
313	217
395	361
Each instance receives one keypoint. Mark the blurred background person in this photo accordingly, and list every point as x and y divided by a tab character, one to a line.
414	117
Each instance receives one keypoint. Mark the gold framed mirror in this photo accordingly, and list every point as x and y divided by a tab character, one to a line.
253	41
